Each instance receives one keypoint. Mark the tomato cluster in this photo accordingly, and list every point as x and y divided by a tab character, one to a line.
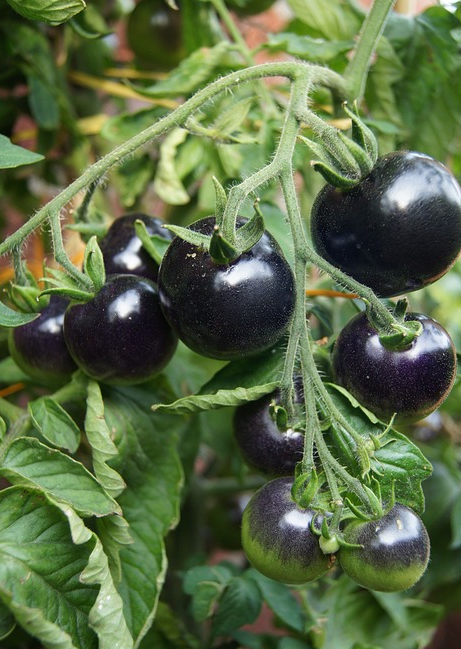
129	330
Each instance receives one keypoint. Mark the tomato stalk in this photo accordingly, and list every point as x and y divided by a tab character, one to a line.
357	70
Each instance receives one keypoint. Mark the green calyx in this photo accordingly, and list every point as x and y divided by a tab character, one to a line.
343	161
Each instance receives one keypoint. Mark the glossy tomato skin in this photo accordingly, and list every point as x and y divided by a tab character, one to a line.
411	382
154	33
226	311
262	444
123	251
277	537
398	230
395	551
39	348
120	336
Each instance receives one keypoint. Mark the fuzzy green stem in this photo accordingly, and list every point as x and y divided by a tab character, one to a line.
357	70
177	118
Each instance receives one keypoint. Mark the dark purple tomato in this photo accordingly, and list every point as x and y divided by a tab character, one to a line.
394	554
120	336
411	382
39	348
155	34
398	230
123	251
227	311
277	537
263	445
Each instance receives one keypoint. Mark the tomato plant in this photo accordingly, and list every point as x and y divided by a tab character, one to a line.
255	442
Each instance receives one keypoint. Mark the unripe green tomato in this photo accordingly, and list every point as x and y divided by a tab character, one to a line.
277	537
394	553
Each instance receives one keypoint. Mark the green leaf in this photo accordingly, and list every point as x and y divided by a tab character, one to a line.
123	126
235	383
7	622
191	73
102	445
230	119
30	463
398	464
306	47
11	318
40	572
12	155
54	423
90	23
281	601
43	101
240	604
150	502
133	178
53	12
167	183
328	19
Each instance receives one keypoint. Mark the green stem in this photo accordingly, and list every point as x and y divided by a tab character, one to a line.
61	256
177	118
357	70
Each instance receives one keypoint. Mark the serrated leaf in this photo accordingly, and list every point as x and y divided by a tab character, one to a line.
398	464
102	445
235	383
329	19
40	569
166	182
150	502
54	423
53	12
30	463
12	155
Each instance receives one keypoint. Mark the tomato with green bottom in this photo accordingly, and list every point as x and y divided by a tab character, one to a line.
277	536
392	552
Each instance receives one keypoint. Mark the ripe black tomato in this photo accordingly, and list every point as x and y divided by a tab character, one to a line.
277	537
226	311
120	336
123	251
262	444
398	230
395	550
39	348
411	382
154	33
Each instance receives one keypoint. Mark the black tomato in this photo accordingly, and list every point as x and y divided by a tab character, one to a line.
39	348
394	554
120	336
226	311
263	445
277	537
411	382
154	33
123	251
398	230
